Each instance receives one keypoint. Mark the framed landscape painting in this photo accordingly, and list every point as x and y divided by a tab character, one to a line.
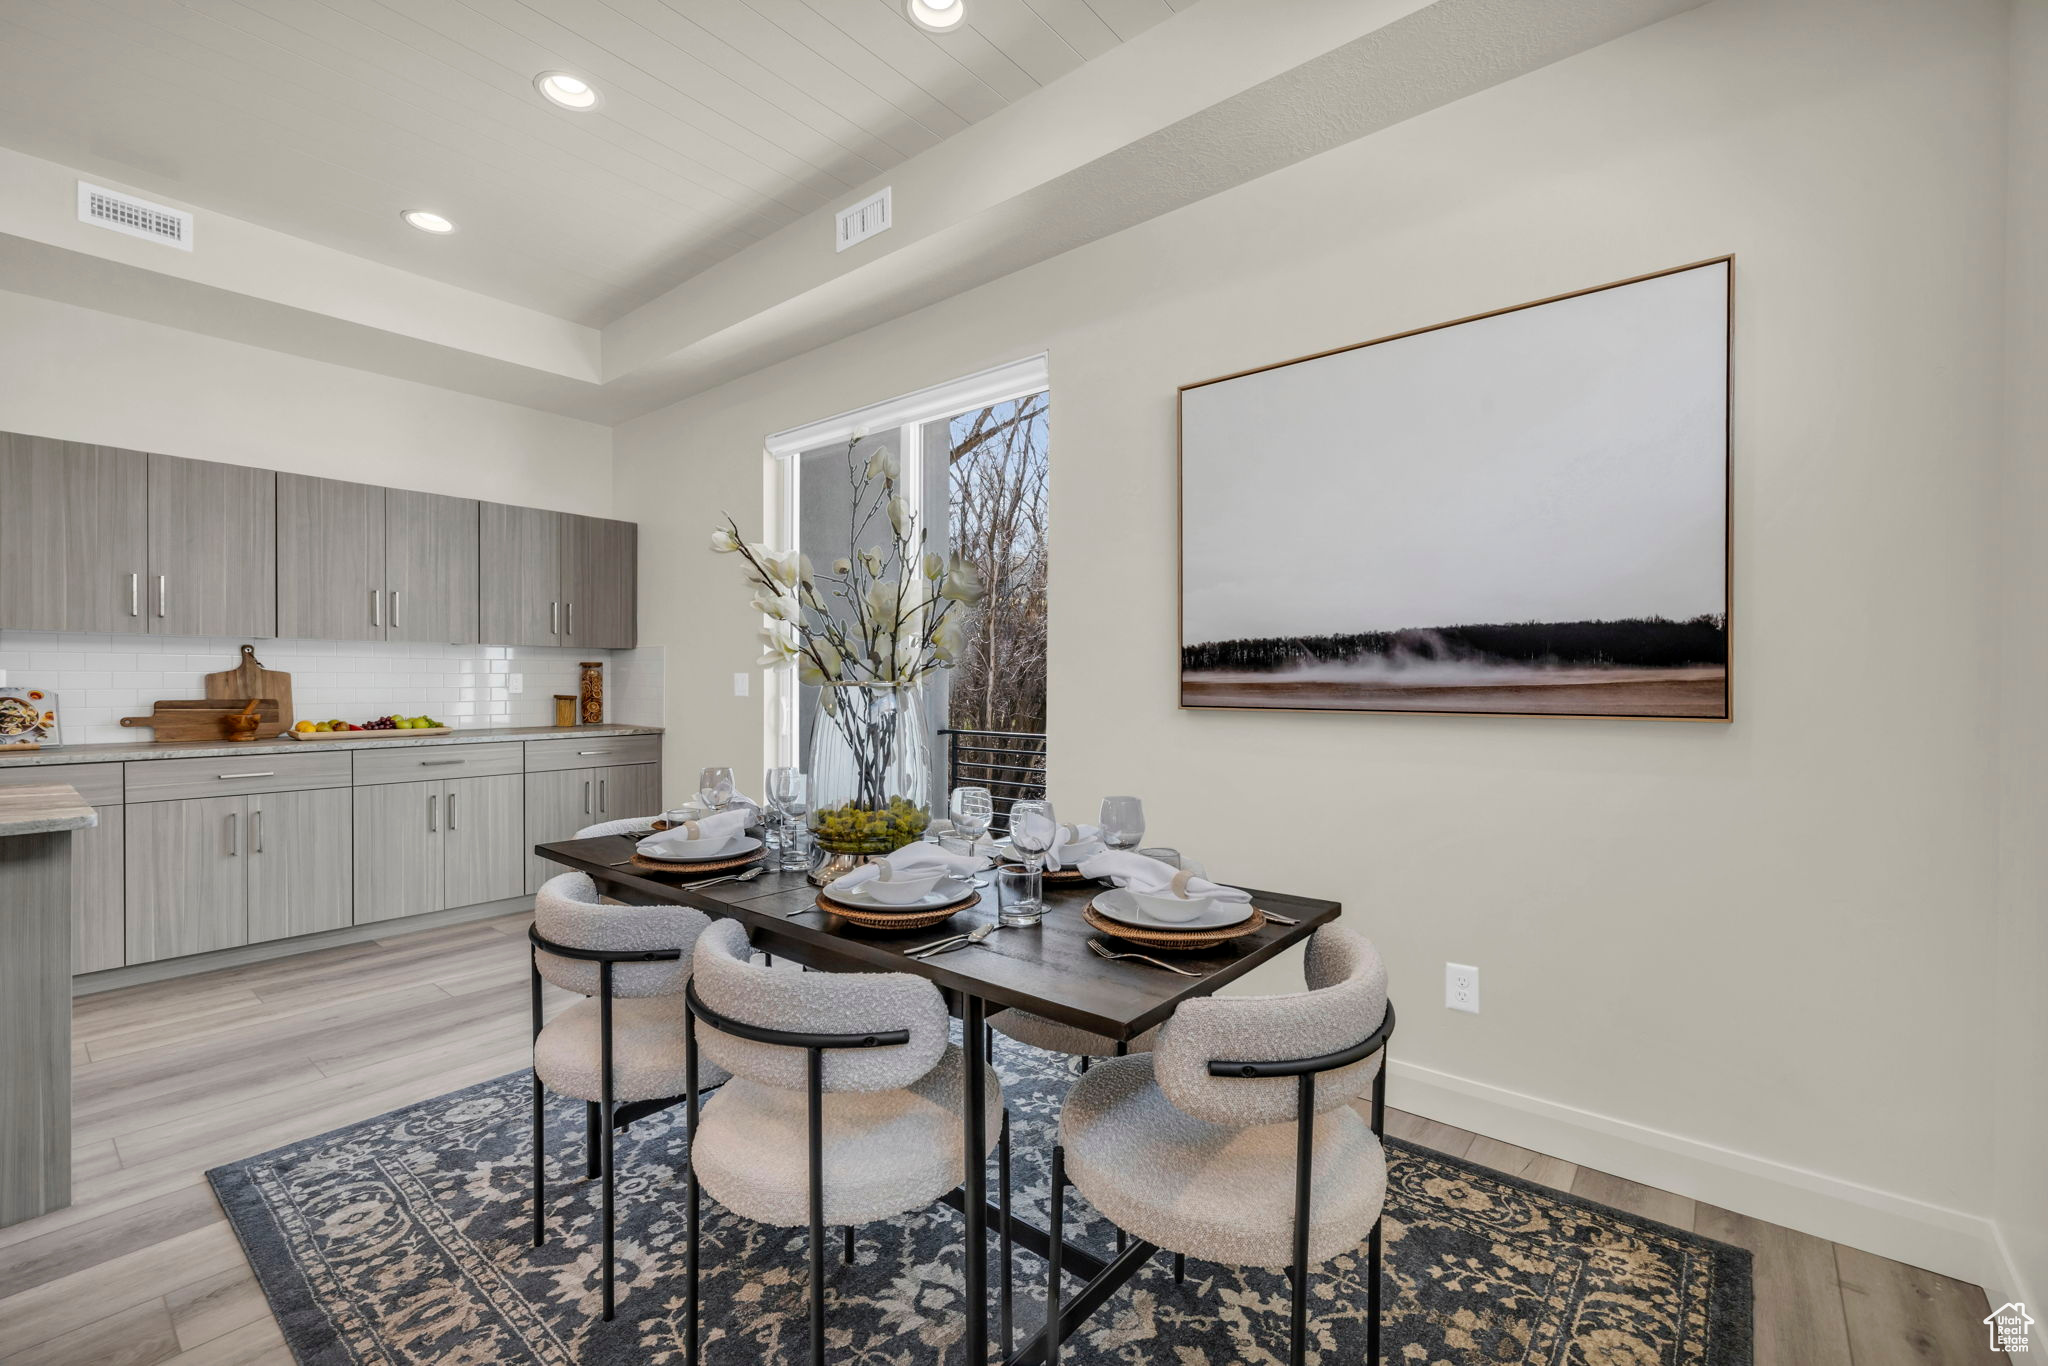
1521	513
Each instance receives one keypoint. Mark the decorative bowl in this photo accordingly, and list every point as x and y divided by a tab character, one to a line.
900	890
1172	909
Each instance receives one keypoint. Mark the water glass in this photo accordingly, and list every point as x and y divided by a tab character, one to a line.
715	788
788	793
1123	822
1169	857
974	810
1020	894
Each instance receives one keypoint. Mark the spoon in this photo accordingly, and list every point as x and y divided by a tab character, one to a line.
968	940
748	876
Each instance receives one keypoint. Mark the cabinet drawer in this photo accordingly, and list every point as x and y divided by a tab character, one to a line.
160	780
552	756
99	784
375	766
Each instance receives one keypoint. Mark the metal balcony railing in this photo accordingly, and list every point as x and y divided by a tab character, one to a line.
1009	763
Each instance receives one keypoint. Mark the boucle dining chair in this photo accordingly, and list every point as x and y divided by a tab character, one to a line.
1188	1148
845	1104
620	1050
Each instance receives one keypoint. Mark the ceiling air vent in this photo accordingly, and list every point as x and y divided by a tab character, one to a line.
137	217
863	220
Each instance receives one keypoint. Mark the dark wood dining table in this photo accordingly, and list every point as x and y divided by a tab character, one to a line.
1047	969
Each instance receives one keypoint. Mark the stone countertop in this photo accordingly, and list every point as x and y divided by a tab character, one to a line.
220	749
43	809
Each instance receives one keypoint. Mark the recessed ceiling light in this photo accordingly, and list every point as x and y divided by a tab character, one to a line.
427	221
571	92
937	15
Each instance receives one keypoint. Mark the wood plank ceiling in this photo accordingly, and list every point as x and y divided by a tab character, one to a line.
721	120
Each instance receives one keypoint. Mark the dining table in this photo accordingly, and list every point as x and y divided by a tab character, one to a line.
1048	969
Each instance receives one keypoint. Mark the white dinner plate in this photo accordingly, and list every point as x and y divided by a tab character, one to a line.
1119	905
949	891
735	847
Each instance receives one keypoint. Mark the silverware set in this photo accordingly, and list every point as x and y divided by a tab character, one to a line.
958	941
1102	951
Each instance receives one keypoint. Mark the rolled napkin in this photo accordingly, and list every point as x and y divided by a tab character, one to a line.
1153	878
1070	843
667	843
912	860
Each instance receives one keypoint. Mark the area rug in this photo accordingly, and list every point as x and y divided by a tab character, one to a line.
405	1240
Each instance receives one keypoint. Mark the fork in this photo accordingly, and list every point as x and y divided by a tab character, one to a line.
958	941
1101	952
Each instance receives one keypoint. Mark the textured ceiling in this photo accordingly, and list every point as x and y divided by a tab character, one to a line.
722	120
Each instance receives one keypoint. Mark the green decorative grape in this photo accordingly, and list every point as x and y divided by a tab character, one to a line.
852	829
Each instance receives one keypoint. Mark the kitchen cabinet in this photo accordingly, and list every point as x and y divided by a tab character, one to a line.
212	549
99	863
561	801
187	892
429	846
74	523
299	863
519	575
430	568
330	559
600	583
628	790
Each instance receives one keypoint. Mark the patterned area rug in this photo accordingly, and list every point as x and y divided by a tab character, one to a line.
406	1240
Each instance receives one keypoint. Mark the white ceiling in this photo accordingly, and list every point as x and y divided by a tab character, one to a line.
722	120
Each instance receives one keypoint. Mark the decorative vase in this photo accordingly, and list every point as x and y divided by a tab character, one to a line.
592	689
870	777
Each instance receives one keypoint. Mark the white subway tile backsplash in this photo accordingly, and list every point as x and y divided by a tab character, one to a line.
98	679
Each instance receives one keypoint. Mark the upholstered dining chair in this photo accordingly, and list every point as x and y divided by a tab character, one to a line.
620	1050
846	1102
1189	1148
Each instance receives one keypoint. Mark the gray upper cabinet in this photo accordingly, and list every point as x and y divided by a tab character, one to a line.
73	526
212	549
430	568
600	578
330	559
520	575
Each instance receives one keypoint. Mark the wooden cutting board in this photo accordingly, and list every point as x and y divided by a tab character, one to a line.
204	719
250	679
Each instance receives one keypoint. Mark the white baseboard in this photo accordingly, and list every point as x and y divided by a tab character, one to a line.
1967	1247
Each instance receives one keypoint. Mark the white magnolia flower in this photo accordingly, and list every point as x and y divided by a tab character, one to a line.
783	568
883	461
828	702
963	583
899	516
805	571
777	606
829	654
934	565
808	673
881	600
872	561
949	639
723	542
842	566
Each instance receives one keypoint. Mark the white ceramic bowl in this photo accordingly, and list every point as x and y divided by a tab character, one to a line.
1170	908
681	849
901	890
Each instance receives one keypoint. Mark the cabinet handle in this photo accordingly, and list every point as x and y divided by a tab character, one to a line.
433	813
569	615
135	595
234	834
440	763
246	775
376	608
602	804
394	609
554	618
586	796
451	812
256	831
581	752
160	594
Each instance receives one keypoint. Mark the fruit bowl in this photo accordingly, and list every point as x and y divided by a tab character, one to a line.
383	725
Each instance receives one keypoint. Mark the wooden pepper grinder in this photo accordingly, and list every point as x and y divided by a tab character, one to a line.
592	688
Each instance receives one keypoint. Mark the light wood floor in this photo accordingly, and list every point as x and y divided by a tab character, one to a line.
176	1077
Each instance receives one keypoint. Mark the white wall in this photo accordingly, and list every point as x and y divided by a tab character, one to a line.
82	375
1752	963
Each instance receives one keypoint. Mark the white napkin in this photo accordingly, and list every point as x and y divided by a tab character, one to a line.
727	823
912	860
1153	878
1070	843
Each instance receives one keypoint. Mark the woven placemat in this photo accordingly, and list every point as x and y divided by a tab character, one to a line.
1185	940
871	919
725	865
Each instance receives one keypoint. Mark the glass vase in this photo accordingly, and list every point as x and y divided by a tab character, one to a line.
870	777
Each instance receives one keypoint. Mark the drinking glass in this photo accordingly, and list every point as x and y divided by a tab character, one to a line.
1033	828
1020	894
788	793
1170	857
974	809
715	788
1123	822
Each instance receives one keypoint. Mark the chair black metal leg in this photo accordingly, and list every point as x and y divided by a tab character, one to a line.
690	1181
974	1162
604	1027
1084	1064
815	1123
1006	1292
1372	1255
1056	1242
1304	1155
540	1216
1180	1268
593	1125
846	1256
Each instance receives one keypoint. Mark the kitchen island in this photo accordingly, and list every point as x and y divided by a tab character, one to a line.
36	828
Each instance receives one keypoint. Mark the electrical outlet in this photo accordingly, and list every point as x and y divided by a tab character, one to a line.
740	683
1461	987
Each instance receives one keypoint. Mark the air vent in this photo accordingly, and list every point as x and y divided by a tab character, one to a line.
137	217
863	220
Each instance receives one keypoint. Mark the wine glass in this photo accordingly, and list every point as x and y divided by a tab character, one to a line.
974	810
715	788
1123	822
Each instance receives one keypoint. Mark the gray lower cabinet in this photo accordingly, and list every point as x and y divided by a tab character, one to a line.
212	549
560	802
73	527
483	841
628	791
187	892
330	559
99	863
298	863
431	846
